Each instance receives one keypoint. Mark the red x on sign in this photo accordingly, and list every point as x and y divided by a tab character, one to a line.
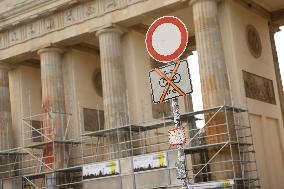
170	81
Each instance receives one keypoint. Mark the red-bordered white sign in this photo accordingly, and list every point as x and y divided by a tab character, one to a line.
166	39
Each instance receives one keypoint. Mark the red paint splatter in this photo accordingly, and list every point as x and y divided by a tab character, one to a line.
48	151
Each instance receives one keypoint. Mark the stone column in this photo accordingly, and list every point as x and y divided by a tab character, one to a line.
5	110
272	30
214	81
53	101
114	85
213	72
6	136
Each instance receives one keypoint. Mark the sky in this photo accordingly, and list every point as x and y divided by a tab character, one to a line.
196	95
279	40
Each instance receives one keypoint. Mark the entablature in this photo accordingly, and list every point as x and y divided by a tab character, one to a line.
15	12
75	21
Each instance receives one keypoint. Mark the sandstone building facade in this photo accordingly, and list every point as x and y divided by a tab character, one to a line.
74	94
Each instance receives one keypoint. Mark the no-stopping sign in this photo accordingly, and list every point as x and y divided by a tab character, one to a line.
166	39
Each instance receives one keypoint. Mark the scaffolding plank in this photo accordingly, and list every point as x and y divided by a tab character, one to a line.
167	121
43	144
133	128
202	148
12	153
38	175
42	174
102	133
70	169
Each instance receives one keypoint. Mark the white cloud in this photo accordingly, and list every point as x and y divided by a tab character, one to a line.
279	40
196	95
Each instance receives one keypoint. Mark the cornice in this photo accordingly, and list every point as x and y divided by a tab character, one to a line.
29	10
5	66
20	8
255	8
63	18
274	28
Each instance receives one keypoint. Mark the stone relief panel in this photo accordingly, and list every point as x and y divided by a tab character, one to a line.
93	119
253	41
76	14
71	15
97	81
14	36
259	88
131	1
110	4
90	9
32	30
48	24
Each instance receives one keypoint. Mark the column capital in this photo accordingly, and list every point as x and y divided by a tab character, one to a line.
274	28
5	66
50	49
112	29
191	2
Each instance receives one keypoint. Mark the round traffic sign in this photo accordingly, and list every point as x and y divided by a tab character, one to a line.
166	39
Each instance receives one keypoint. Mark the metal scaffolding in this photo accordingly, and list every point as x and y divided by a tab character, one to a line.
35	162
221	151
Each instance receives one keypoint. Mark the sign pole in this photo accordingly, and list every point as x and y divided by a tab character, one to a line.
181	168
166	40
